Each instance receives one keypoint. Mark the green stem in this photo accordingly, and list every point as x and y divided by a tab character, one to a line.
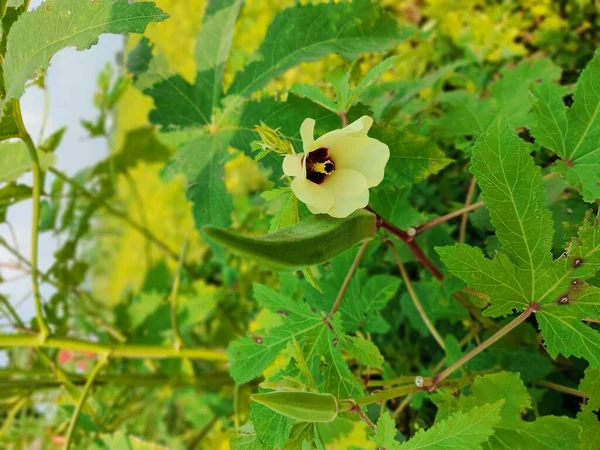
207	382
174	293
491	340
117	350
11	312
465	217
415	298
84	394
388	394
84	295
143	216
117	213
348	278
357	409
35	223
561	388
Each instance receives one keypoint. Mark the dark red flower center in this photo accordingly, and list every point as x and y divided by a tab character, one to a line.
319	165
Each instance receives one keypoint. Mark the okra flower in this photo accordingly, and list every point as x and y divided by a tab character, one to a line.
335	172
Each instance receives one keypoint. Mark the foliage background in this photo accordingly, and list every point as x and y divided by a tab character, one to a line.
131	281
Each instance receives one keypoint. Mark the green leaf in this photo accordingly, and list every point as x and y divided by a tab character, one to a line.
141	145
464	115
10	194
314	94
412	157
588	418
435	301
312	241
392	204
303	406
365	352
285	204
177	102
368	79
385	432
15	161
272	429
245	442
563	330
511	431
337	377
67	23
513	191
458	431
305	33
251	355
498	277
508	102
201	160
8	120
212	49
505	172
573	133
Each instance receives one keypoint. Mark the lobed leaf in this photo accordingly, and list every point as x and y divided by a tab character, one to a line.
305	33
573	133
458	431
67	23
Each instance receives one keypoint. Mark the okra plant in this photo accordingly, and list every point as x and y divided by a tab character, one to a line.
419	266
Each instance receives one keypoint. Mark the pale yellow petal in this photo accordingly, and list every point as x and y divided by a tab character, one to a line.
358	128
343	207
307	133
320	199
292	165
345	183
363	154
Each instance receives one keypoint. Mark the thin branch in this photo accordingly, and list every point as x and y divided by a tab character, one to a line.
463	220
35	221
388	394
415	298
117	350
432	223
344	117
563	389
83	294
349	275
474	352
178	341
84	395
357	409
140	202
402	406
118	213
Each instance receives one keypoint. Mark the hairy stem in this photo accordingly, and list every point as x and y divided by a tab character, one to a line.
415	298
117	350
471	354
84	395
349	275
35	221
463	220
118	213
